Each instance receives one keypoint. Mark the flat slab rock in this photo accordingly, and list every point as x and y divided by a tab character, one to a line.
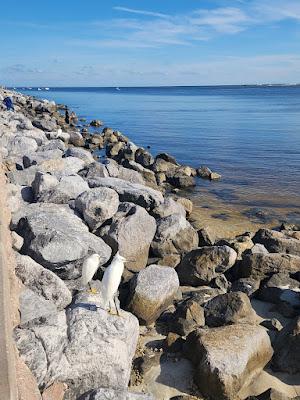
227	358
59	240
132	192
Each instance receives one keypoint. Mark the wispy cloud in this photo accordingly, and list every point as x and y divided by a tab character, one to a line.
141	12
21	68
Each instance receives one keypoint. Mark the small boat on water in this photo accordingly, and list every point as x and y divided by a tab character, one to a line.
117	88
46	88
39	88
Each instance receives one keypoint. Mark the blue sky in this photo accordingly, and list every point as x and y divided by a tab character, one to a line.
131	42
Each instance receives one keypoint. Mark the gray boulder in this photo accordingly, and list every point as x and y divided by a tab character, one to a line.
229	308
83	154
131	232
20	145
88	349
152	291
100	350
43	282
130	192
167	208
41	344
174	235
32	306
48	125
48	189
97	205
227	358
144	158
277	242
57	167
59	240
53	144
202	265
76	139
41	156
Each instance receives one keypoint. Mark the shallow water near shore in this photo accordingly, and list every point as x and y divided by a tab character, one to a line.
250	135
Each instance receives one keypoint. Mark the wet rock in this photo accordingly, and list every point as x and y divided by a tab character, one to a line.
48	189
181	181
97	205
147	174
167	157
131	232
214	175
201	265
152	291
42	281
130	192
277	242
287	349
259	266
227	358
188	316
82	154
204	172
174	235
59	240
144	158
96	123
166	167
229	308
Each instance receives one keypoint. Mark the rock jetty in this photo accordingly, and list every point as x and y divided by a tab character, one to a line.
201	318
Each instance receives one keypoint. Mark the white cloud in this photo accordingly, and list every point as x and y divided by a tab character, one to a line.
141	12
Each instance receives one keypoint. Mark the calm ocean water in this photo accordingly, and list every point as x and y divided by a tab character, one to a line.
251	135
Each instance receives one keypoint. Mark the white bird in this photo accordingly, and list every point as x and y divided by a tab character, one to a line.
89	268
111	281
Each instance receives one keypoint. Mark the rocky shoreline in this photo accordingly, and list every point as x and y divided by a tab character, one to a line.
202	318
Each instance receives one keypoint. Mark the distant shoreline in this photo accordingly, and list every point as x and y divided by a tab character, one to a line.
250	85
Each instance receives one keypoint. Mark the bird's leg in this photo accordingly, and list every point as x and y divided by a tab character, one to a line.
92	290
109	307
116	306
